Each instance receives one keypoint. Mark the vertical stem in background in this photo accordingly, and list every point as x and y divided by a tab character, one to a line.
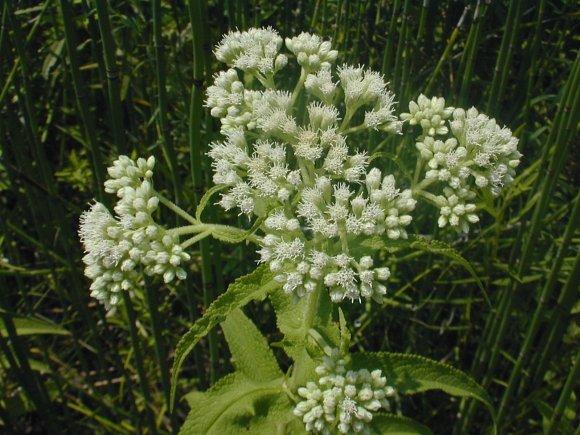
556	164
160	351
401	48
546	185
560	135
502	66
131	319
422	21
539	312
112	74
164	133
564	397
49	212
405	81
195	147
531	73
388	54
337	22
470	52
446	52
82	100
558	323
315	15
20	366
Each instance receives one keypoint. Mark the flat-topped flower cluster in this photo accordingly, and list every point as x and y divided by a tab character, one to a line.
477	156
296	170
293	159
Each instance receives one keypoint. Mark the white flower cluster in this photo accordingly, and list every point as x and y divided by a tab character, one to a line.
430	114
480	155
116	246
296	165
312	53
342	400
364	87
299	174
254	51
491	151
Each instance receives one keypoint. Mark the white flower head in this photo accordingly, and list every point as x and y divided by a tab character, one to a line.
342	399
254	50
118	248
312	52
430	114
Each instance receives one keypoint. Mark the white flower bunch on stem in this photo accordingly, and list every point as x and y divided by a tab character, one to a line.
342	400
116	247
477	156
286	159
297	162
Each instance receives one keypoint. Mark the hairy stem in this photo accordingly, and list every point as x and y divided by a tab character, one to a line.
176	209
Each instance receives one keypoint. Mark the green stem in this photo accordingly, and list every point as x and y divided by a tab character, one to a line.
559	138
299	374
112	71
210	228
502	66
539	312
198	18
418	170
428	196
558	322
82	100
446	52
425	184
195	239
165	135
160	351
299	86
564	397
388	54
470	52
131	319
176	209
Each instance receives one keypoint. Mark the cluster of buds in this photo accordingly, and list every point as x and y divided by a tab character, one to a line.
465	152
300	173
311	51
430	114
116	246
342	400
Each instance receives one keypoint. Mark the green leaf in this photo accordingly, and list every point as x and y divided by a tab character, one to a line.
205	199
234	235
412	374
39	366
443	249
231	405
421	243
344	333
228	235
255	285
33	326
251	354
395	424
292	317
